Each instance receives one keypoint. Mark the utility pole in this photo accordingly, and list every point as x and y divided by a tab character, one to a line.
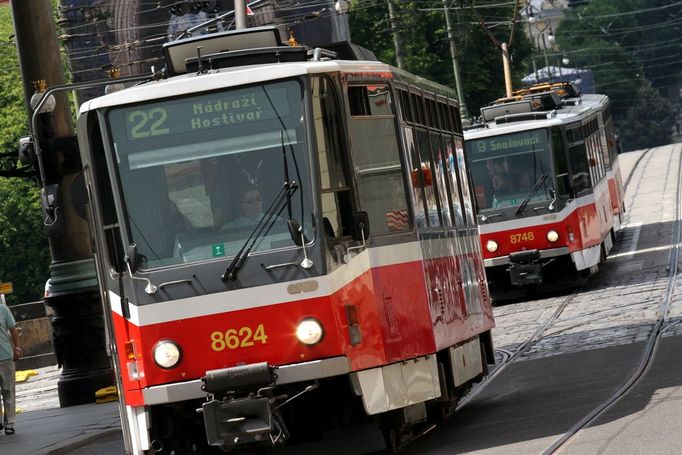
240	14
396	36
506	66
455	64
71	291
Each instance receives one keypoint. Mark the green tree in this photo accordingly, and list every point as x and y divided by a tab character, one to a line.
649	121
24	253
628	44
425	41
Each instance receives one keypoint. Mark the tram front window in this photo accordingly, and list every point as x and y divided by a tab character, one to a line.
196	173
505	169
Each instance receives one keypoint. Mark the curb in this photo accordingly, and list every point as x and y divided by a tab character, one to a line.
66	447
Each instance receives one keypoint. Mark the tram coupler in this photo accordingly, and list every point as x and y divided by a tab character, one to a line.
243	377
238	411
238	422
525	268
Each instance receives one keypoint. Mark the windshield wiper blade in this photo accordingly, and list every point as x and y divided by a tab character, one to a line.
532	191
268	218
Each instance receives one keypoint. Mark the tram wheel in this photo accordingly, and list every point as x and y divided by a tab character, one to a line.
393	438
391	427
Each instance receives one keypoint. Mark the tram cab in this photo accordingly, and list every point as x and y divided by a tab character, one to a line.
547	186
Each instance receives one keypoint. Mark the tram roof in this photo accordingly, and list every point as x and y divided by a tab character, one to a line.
223	78
571	111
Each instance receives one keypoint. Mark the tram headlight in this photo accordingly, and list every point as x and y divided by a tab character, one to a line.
167	354
552	236
491	246
309	331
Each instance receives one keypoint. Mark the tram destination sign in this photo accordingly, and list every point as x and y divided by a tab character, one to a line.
509	143
205	112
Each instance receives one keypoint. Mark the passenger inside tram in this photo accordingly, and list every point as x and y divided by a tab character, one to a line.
250	209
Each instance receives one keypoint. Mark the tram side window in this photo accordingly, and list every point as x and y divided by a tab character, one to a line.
590	133
577	156
337	209
464	181
560	163
603	142
446	203
376	159
112	230
429	186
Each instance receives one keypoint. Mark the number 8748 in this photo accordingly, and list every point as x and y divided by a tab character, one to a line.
524	237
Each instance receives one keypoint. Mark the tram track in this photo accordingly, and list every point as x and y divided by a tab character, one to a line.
510	356
660	326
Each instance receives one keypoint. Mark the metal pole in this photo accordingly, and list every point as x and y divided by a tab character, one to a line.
544	50
530	36
71	291
455	64
396	36
240	14
507	70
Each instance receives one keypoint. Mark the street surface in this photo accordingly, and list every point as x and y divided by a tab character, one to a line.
578	361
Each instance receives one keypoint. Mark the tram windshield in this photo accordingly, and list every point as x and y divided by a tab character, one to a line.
197	172
505	169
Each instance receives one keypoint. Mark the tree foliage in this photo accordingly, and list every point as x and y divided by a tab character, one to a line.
424	37
631	55
649	120
24	253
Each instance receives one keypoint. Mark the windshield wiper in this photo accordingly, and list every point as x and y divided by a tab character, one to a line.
267	219
532	191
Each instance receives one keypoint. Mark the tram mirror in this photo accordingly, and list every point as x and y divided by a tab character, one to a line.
564	184
131	257
360	226
295	231
52	210
552	194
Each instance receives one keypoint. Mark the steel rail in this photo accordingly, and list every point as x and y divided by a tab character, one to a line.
658	329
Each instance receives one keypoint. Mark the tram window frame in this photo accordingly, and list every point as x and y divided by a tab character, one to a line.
577	159
455	132
443	119
341	202
416	101
433	200
591	129
447	123
433	121
404	103
457	118
603	143
560	162
105	196
398	173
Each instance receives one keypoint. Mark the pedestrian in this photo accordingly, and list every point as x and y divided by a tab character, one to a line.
10	352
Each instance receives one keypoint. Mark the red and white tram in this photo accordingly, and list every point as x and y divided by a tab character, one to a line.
548	187
356	294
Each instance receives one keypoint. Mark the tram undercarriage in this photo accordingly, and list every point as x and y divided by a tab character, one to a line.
528	275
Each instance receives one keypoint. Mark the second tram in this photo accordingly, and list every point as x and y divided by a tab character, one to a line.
286	245
547	185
